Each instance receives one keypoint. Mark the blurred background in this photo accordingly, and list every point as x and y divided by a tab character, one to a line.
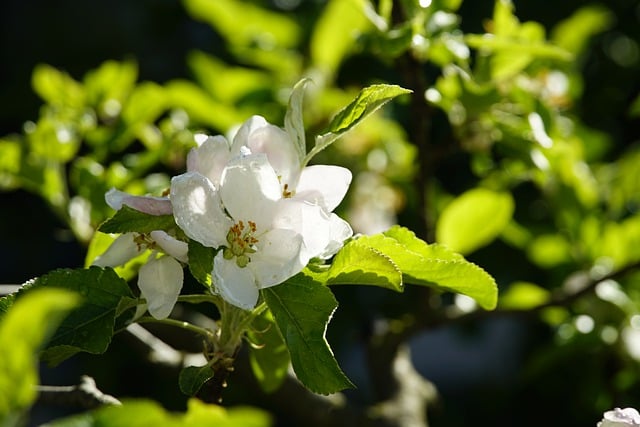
204	72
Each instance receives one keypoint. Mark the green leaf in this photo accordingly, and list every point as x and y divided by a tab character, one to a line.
192	378
302	309
474	219
358	264
10	159
56	87
524	296
128	219
336	32
201	262
24	329
145	413
268	353
573	33
293	119
258	25
89	327
366	103
434	265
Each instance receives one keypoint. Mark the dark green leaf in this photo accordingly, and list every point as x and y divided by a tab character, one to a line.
268	353
90	326
302	309
128	219
192	378
201	262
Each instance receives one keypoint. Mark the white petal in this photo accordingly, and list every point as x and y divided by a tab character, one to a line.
250	189
147	204
323	185
160	281
241	137
310	221
236	285
278	257
261	137
172	246
119	252
210	158
340	231
198	210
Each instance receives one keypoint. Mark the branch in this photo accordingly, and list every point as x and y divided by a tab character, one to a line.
84	395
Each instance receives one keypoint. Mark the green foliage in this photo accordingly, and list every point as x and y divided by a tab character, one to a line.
201	262
302	308
90	326
268	353
140	413
128	220
24	329
474	219
192	378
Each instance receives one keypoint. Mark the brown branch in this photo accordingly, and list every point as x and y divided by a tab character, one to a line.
84	395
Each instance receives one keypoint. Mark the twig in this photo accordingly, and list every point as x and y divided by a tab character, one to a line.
84	395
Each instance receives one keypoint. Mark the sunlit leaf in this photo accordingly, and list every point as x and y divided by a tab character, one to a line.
474	219
302	309
145	413
366	103
523	296
24	329
335	33
573	33
57	87
434	265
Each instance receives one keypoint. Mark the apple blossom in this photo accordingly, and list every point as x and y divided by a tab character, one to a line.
160	279
627	417
263	236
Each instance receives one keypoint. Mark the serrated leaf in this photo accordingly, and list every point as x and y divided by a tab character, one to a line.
366	103
201	262
24	328
192	378
128	219
89	327
474	219
302	309
358	264
293	119
268	353
434	265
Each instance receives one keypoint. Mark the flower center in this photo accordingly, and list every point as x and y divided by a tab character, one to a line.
241	243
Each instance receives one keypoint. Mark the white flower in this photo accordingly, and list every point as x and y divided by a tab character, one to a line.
160	279
263	237
627	417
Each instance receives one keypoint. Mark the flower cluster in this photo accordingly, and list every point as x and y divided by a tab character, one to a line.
253	202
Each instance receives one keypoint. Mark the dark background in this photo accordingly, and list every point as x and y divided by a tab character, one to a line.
76	36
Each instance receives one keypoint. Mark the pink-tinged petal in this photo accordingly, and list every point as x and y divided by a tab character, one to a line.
235	285
324	185
198	210
146	204
121	250
278	257
249	189
160	281
261	137
210	158
172	246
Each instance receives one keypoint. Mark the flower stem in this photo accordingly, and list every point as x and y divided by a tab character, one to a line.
180	324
